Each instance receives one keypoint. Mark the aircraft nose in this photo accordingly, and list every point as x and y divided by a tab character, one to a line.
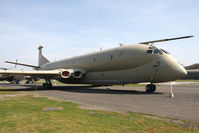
180	72
176	70
170	70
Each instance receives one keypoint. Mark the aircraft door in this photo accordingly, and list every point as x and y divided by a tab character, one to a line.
150	70
156	63
156	67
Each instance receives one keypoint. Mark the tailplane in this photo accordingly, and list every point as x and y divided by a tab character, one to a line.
42	60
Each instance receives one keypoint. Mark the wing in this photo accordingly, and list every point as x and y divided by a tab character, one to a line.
58	73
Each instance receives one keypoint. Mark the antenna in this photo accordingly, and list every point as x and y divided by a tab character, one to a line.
121	44
16	62
164	40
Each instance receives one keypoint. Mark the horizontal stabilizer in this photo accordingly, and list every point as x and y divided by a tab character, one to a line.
3	68
27	65
164	40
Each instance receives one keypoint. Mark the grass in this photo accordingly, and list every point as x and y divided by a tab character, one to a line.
3	88
24	114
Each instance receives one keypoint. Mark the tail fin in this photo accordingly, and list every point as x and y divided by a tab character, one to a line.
42	60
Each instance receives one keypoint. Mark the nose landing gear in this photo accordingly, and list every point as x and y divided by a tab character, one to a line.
150	88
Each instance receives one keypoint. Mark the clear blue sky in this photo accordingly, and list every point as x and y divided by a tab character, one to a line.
68	28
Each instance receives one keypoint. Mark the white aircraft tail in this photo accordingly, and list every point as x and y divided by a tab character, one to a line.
42	60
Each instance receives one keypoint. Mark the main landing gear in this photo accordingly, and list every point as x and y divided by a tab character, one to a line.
47	84
150	88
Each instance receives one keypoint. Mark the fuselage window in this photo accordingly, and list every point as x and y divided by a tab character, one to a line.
149	51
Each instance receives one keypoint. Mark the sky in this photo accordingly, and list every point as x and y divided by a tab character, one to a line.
68	28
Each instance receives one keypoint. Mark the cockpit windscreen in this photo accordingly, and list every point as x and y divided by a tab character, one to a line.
156	50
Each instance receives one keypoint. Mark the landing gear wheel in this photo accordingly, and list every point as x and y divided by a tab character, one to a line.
44	85
150	88
47	85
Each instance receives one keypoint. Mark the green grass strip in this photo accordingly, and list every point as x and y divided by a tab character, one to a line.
24	114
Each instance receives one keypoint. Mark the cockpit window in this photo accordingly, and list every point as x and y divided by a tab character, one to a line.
158	51
149	51
155	50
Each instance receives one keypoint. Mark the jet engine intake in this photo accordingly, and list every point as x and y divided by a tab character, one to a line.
78	74
65	74
74	73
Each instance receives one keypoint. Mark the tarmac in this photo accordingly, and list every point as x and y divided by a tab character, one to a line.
183	106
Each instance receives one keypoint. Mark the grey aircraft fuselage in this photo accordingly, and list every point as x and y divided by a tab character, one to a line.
122	65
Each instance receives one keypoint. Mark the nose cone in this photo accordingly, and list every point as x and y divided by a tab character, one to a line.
170	70
178	71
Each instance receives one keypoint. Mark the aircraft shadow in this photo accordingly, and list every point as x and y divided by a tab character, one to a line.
82	89
106	91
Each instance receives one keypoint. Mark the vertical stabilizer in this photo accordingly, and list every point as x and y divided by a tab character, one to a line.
42	60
